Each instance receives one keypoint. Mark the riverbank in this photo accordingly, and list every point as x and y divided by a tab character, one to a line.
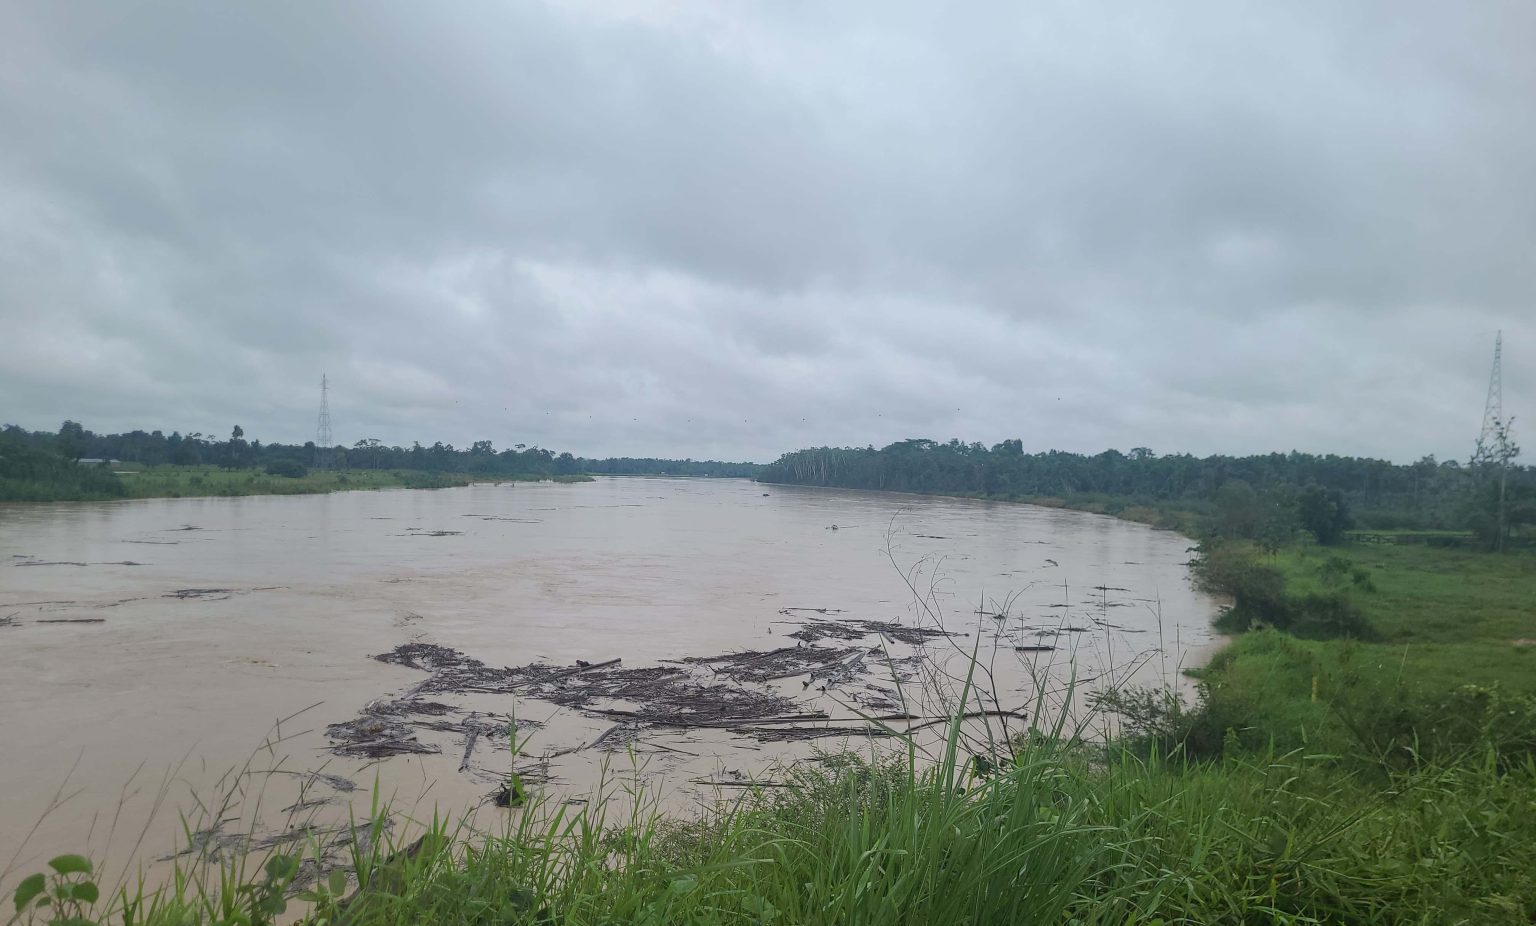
1438	661
1058	833
170	481
1184	517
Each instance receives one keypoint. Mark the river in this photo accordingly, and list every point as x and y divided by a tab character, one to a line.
150	647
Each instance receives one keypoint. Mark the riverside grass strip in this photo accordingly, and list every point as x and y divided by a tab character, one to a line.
1062	834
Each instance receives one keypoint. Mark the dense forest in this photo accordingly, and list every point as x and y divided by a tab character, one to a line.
41	465
1253	496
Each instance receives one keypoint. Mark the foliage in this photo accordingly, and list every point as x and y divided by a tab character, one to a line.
292	469
1426	494
1260	596
1324	513
651	466
62	897
480	459
31	473
1256	588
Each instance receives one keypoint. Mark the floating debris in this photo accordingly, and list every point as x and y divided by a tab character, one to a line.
822	630
375	736
217	594
831	663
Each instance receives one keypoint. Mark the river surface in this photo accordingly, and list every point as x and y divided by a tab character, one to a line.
149	648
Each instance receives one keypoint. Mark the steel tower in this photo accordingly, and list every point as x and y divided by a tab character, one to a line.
323	439
1493	409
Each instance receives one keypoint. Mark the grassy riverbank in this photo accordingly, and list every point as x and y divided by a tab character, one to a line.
1439	661
190	481
97	483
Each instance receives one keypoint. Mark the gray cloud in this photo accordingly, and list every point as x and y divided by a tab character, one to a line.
693	229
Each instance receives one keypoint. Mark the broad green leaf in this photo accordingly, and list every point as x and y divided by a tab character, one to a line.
29	888
71	864
281	867
338	882
86	891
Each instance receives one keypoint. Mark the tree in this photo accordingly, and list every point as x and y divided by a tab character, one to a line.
1491	460
1239	510
1324	513
72	441
235	451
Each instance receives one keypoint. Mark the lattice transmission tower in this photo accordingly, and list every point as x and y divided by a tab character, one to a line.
1496	445
1493	409
323	439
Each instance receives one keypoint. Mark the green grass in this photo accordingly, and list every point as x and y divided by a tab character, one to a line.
1430	594
1446	671
193	481
1446	617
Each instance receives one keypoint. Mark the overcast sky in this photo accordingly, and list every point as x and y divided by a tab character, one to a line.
722	229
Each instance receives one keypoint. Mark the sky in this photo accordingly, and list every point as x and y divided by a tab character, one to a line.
730	230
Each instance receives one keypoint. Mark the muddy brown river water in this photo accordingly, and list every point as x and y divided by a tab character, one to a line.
148	649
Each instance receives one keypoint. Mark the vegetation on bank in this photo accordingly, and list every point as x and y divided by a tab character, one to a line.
1267	498
187	481
28	475
1387	655
480	460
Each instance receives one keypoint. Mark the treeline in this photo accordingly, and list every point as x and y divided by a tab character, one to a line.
31	473
652	466
54	453
1253	496
155	448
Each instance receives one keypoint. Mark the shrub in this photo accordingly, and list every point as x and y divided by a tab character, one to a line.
1326	616
1259	596
292	469
1257	590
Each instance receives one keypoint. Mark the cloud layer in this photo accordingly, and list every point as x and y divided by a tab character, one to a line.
695	229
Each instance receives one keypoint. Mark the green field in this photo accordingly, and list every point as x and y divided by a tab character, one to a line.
1450	666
